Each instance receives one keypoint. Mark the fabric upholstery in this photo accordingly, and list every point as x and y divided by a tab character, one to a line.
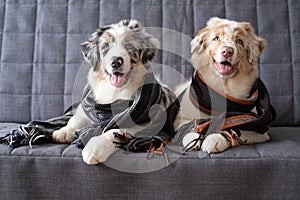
40	51
41	63
260	171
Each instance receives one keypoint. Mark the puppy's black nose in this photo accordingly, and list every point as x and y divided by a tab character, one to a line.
116	62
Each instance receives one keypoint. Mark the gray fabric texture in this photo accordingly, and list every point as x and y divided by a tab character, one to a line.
40	51
39	62
260	171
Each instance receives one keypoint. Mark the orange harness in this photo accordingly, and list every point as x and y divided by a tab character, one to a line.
237	115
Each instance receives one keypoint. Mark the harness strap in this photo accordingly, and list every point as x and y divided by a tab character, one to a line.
201	95
233	137
237	116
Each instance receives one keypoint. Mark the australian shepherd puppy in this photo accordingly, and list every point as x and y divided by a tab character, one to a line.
224	54
120	56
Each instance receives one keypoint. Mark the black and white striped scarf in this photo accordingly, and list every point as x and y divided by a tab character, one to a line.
153	110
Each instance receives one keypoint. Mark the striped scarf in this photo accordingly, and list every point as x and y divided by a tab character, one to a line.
153	110
238	114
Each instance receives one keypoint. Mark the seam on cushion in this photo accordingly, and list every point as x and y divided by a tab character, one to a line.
292	66
41	156
256	14
45	63
66	49
257	27
10	32
225	9
162	37
131	8
162	26
4	13
183	61
160	52
181	158
255	147
99	11
33	58
193	14
239	158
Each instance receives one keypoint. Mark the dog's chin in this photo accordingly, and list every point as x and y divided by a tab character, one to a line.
118	79
225	69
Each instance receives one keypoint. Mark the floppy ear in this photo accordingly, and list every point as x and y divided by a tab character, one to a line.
198	43
256	44
150	51
132	24
90	48
149	46
148	55
254	49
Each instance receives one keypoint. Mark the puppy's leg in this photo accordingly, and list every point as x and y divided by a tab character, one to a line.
215	143
99	148
67	134
191	139
252	137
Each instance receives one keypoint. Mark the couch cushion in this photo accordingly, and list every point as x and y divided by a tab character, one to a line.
40	47
264	171
284	144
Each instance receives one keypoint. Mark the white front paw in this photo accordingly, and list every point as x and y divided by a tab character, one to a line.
89	157
190	141
215	143
64	135
99	148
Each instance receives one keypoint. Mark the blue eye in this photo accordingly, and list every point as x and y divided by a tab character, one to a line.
104	46
129	47
217	38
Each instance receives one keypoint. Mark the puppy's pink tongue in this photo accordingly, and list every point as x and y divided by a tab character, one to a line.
117	79
224	68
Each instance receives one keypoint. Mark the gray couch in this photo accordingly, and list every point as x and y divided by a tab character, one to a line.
40	60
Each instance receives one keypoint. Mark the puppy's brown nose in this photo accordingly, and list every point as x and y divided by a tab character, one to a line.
116	62
227	51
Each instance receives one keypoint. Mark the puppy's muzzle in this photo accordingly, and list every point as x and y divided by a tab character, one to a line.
116	62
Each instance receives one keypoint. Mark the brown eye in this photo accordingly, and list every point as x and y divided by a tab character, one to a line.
217	38
239	41
104	46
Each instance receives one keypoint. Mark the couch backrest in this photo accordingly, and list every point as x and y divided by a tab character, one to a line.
40	47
